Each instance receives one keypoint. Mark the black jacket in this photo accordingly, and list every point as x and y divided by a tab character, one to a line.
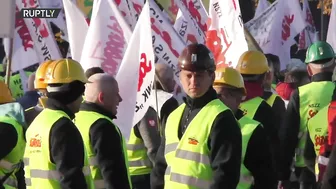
266	117
278	107
258	159
107	143
224	143
67	148
168	107
289	134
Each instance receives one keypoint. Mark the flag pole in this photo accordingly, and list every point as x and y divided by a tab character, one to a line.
9	62
250	38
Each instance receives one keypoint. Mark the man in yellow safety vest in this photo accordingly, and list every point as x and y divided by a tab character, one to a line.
55	156
201	145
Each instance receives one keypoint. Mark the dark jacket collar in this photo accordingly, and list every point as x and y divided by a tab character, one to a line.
323	76
239	114
56	105
201	101
88	106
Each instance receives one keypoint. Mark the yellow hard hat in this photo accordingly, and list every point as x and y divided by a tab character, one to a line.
65	71
252	63
229	76
5	94
40	75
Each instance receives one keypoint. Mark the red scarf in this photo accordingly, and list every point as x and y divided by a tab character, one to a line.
254	89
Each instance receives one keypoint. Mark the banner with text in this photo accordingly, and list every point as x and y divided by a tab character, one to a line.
167	43
106	39
187	26
138	62
41	33
225	36
24	52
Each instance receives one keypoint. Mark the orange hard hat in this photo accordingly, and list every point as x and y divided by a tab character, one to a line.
5	93
40	75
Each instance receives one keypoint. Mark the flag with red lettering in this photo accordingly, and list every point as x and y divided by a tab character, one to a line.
262	6
138	64
198	12
288	22
167	43
331	36
24	52
106	39
187	26
124	6
42	35
77	28
307	36
225	36
136	7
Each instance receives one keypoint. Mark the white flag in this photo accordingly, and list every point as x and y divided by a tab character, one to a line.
187	26
262	6
288	22
77	28
7	13
106	39
331	36
24	52
225	37
136	75
124	6
307	35
41	33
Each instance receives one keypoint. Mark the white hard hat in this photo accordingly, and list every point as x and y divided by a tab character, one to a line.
296	65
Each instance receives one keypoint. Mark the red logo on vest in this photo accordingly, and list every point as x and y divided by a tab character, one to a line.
35	142
193	141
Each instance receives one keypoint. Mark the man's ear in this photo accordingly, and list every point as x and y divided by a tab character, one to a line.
310	73
101	97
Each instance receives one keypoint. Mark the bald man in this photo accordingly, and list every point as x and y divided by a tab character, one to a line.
30	97
103	141
165	83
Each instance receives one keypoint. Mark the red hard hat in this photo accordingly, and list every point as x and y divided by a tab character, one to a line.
196	57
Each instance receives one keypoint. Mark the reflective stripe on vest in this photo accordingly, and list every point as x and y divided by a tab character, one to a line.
313	97
51	174
188	163
10	182
251	106
8	165
99	183
188	180
247	127
39	170
270	101
84	120
323	160
138	160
